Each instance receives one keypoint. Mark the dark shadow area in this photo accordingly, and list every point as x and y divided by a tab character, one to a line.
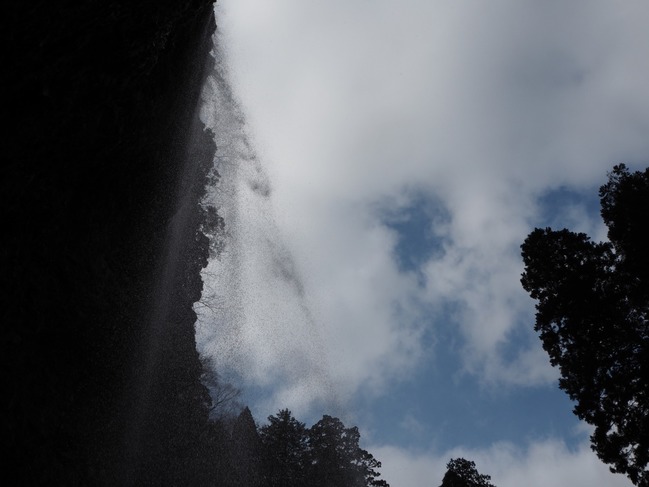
100	100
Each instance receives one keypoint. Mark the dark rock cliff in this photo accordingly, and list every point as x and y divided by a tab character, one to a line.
101	380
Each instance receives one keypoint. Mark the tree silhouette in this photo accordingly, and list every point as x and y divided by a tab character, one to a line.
593	303
246	451
337	459
463	473
285	447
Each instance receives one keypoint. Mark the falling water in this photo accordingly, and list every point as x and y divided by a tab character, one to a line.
254	322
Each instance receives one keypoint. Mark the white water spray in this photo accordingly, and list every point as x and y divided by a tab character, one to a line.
254	322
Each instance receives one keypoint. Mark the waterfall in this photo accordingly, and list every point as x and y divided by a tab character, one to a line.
254	321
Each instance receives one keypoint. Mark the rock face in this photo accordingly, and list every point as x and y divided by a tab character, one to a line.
104	163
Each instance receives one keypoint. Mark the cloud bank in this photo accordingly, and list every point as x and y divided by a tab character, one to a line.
540	464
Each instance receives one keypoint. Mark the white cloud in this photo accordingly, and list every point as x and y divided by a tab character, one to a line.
411	424
482	105
542	463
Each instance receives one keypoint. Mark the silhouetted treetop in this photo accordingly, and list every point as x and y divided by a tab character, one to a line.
593	302
285	450
337	459
625	210
463	473
246	451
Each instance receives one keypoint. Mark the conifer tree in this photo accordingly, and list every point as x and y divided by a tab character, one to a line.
593	319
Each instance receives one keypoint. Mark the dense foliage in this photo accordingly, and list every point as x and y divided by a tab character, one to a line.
285	453
592	317
463	473
326	455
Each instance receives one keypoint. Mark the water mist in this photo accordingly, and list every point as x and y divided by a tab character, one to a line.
254	322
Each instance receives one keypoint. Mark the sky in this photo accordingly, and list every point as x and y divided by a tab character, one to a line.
381	163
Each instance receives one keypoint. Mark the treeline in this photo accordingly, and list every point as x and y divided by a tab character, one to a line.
285	453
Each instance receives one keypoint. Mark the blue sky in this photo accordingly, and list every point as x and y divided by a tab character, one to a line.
446	408
381	164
